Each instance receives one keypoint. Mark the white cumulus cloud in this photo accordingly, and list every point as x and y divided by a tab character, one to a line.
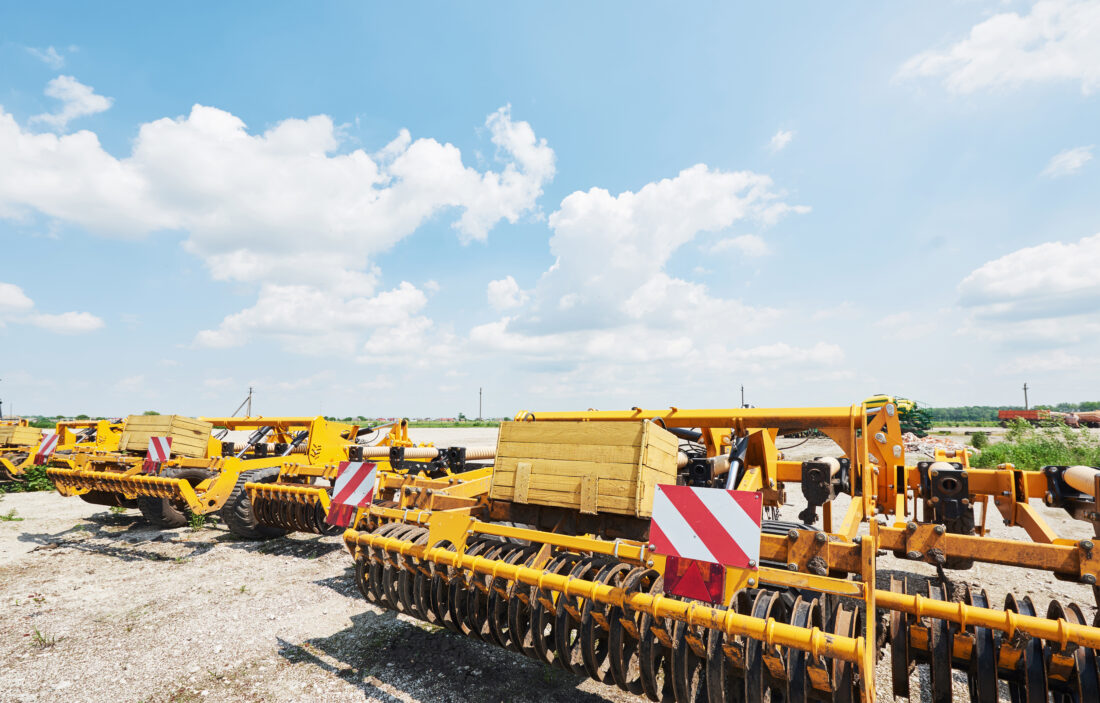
309	320
1068	162
16	307
288	210
13	299
780	140
77	100
1058	40
1050	280
67	322
607	300
505	294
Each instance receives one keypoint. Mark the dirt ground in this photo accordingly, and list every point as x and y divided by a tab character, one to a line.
99	606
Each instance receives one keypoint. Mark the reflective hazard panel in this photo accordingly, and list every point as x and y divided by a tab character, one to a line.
692	578
708	524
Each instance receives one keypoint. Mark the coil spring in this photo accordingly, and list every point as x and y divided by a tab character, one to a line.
643	655
294	516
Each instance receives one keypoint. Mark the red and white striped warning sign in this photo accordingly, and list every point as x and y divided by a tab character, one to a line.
354	489
46	447
707	524
160	448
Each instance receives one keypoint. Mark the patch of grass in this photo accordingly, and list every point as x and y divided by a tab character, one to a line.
979	440
42	641
197	522
1032	448
10	517
117	509
34	479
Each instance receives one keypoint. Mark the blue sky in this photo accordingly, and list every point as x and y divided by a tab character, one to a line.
375	209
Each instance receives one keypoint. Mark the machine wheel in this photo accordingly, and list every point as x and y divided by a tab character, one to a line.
237	511
162	512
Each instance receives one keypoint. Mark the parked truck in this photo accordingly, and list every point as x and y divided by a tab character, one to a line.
1032	416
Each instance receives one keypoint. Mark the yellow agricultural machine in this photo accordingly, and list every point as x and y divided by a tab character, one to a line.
279	479
197	472
571	550
98	473
22	445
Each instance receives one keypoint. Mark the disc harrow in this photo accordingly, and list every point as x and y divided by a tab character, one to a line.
292	508
597	616
594	615
553	560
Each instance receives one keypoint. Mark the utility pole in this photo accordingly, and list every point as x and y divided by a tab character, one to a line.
742	395
478	403
1	406
1025	395
249	413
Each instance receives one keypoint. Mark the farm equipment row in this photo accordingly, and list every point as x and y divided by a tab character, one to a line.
644	548
277	480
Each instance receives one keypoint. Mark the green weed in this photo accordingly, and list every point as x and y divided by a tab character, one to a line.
1032	448
196	522
34	479
117	509
979	440
42	641
10	516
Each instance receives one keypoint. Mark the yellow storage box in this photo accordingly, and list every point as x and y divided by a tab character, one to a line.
189	436
20	436
593	467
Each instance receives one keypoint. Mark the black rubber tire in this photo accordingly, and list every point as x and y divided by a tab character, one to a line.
237	511
162	512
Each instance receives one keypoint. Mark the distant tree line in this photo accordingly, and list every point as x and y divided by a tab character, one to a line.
988	413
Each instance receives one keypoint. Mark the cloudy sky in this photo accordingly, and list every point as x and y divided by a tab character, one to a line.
366	210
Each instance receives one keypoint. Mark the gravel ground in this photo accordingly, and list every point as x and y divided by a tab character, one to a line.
100	607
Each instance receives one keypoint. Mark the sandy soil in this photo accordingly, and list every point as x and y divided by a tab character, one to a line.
98	606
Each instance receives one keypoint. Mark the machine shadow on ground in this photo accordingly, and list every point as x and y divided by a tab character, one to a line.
128	537
430	663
